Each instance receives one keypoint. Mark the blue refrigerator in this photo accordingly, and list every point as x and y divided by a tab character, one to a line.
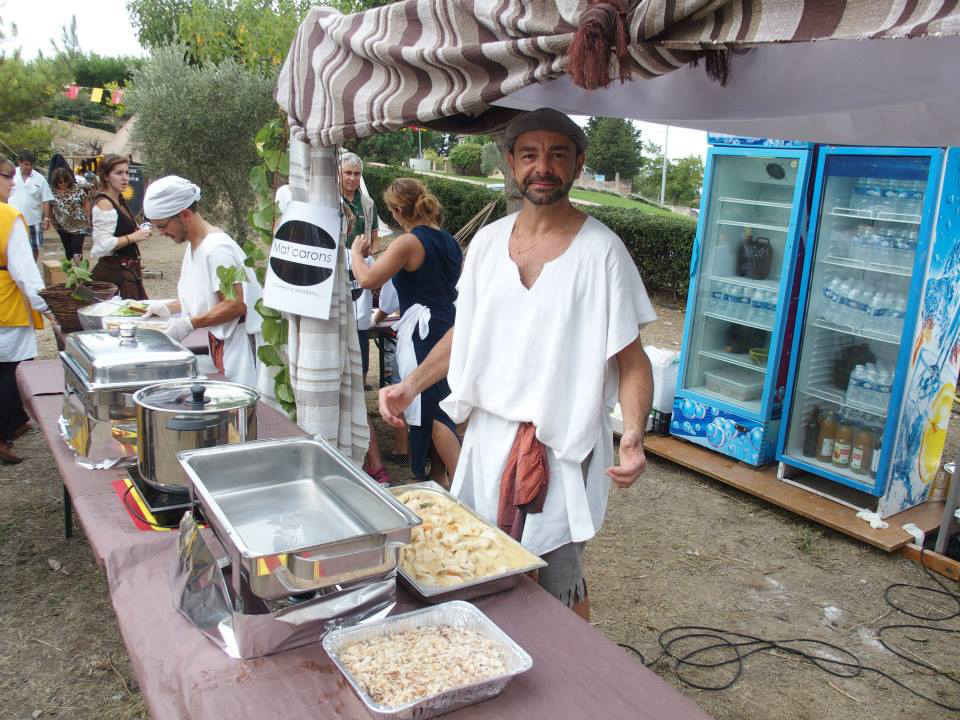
875	351
743	290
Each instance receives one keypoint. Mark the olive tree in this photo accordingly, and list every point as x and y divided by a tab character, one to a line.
198	122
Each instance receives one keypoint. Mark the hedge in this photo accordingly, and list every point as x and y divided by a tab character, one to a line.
661	246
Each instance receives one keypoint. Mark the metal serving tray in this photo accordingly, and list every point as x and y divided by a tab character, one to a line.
132	358
296	515
456	614
480	586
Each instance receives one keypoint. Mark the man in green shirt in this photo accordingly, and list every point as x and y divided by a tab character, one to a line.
364	210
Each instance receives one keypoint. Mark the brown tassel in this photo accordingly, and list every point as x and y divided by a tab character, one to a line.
717	63
588	59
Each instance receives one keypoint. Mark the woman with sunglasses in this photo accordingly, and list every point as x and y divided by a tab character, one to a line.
71	211
20	307
115	232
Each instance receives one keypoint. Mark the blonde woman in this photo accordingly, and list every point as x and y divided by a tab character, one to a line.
424	263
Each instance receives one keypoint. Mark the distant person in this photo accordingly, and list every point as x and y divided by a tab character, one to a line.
20	303
232	324
31	196
71	211
424	263
115	232
366	225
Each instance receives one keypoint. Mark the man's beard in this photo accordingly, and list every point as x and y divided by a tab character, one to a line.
554	196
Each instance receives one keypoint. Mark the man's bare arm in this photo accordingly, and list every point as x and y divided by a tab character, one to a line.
636	398
394	399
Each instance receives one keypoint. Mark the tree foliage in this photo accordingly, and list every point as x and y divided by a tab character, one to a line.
466	158
92	70
684	177
197	121
490	159
390	148
614	147
27	87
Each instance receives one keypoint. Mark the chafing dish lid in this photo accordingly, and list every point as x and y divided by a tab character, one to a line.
196	396
133	357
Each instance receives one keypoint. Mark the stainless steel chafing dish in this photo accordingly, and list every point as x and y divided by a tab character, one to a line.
102	371
295	515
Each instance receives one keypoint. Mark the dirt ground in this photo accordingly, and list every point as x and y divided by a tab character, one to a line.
676	549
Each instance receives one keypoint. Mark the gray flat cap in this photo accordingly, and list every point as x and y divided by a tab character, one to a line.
545	119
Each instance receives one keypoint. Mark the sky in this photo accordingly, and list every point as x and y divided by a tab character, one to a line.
103	27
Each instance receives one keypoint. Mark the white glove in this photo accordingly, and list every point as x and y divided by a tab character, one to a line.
178	328
157	308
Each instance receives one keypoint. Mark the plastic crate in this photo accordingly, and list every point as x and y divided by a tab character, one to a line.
736	383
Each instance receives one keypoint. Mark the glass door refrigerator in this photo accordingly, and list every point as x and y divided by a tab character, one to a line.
875	355
733	360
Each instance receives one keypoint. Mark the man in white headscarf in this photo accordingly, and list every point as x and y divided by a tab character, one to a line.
226	311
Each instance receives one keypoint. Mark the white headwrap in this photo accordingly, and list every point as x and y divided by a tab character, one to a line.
168	196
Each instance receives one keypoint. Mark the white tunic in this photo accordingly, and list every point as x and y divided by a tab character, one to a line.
544	355
20	343
197	291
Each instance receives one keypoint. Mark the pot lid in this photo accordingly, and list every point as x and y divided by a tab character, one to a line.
196	396
131	357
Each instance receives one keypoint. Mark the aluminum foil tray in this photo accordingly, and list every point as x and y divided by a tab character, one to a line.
526	561
457	614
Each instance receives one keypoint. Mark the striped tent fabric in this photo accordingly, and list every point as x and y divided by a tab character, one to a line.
324	355
351	76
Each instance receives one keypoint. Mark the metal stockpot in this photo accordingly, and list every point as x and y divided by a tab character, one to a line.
187	416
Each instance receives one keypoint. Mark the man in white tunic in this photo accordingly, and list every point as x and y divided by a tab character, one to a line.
546	340
233	324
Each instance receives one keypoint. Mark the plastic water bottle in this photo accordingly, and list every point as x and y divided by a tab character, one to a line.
771	306
855	385
757	313
872	192
910	199
829	298
840	310
875	313
898	315
868	384
888	198
857	306
858	198
743	302
715	300
882	389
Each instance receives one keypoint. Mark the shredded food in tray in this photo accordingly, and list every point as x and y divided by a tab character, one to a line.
450	547
406	666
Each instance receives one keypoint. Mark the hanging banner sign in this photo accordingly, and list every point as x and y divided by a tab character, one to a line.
303	260
96	95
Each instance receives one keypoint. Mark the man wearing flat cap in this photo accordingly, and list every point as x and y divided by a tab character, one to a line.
546	340
233	325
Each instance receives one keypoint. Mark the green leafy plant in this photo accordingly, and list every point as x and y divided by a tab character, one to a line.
78	273
230	276
270	142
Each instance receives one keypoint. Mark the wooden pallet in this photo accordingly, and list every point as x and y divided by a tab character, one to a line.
763	483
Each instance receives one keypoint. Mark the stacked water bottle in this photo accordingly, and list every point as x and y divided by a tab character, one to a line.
870	385
863	306
886	197
743	303
880	245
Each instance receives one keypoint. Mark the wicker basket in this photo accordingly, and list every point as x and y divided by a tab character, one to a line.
64	307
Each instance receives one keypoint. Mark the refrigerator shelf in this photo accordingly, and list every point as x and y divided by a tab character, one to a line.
860	265
753	225
738	321
773	285
846	329
870	215
845	472
741	359
704	391
758	203
839	397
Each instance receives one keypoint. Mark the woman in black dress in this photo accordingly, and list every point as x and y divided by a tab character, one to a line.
424	263
115	232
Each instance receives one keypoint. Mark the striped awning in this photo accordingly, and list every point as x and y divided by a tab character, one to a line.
428	61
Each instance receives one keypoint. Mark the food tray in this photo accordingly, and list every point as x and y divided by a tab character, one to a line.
457	614
737	383
473	588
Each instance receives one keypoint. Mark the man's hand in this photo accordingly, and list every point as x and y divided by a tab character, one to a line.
46	224
394	399
633	460
178	328
360	245
157	308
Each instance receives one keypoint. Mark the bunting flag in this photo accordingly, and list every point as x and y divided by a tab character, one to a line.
117	97
72	92
96	94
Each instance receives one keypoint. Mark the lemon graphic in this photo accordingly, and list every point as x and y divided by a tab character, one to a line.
935	434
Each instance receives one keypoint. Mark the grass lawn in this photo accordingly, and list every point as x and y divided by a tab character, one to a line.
599	198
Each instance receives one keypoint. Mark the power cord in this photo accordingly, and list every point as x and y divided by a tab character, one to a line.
135	511
739	646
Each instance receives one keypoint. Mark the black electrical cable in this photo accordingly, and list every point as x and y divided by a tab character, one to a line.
135	511
739	646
